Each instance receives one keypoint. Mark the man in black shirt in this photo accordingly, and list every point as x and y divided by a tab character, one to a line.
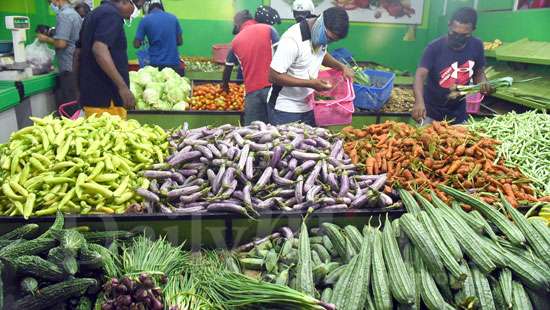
101	60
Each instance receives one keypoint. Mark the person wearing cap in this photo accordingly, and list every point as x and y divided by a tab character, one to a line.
252	48
296	64
302	10
163	31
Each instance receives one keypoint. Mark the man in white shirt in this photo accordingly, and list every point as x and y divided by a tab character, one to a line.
296	64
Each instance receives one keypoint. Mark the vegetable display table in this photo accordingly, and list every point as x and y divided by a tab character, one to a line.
207	230
195	119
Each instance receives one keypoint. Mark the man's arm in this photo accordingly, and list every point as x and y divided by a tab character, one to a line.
76	69
105	62
137	43
331	62
419	108
179	38
230	61
140	34
283	79
57	43
481	78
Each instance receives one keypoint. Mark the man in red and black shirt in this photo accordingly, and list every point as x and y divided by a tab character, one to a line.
455	59
252	48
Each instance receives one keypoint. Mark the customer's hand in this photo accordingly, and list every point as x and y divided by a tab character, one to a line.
321	85
42	37
486	88
348	72
225	88
127	97
419	110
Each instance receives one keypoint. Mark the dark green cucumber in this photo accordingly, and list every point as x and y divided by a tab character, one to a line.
30	247
56	227
107	236
38	267
55	294
90	259
19	232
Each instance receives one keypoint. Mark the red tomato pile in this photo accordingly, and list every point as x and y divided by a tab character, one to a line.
211	97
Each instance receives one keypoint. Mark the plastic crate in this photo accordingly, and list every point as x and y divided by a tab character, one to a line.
219	53
473	103
370	97
342	55
338	111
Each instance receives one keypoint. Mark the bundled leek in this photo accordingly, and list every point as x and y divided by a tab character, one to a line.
463	90
207	283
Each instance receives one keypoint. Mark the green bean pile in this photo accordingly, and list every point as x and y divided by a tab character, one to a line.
85	166
524	140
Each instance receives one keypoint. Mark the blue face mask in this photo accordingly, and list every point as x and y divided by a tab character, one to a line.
319	33
54	8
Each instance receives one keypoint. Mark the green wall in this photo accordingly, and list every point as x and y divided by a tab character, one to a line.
504	24
207	22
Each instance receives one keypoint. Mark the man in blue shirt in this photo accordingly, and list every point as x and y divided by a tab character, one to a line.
163	32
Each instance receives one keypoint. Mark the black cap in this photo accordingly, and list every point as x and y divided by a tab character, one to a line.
267	15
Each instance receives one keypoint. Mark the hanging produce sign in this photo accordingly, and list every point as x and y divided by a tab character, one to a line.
372	11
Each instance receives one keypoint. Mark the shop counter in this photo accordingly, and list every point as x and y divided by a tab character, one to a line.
38	90
9	99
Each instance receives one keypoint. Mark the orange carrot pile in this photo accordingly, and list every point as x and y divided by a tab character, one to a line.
422	158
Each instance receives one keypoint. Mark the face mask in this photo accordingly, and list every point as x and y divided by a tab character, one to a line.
54	8
300	16
318	33
457	41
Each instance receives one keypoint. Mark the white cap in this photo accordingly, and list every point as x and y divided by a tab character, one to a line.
303	5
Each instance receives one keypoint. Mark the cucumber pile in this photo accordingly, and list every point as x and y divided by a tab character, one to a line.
59	269
432	257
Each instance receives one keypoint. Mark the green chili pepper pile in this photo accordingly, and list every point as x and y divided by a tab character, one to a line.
85	166
524	143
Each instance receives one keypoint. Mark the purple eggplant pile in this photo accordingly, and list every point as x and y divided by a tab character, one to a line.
260	167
